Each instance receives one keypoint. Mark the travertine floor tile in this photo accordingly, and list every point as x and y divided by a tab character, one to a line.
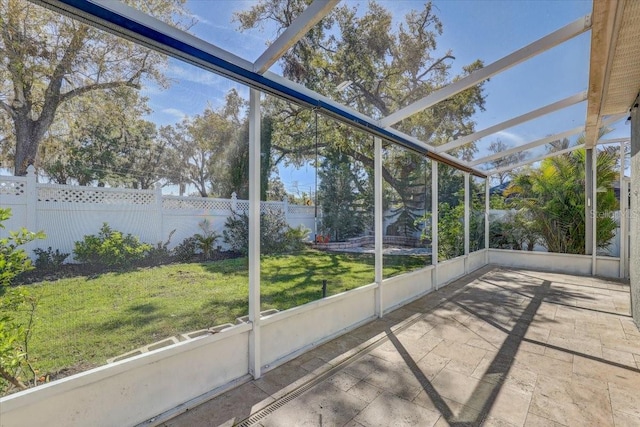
625	420
392	411
625	399
230	407
322	405
534	420
570	403
365	391
511	405
605	372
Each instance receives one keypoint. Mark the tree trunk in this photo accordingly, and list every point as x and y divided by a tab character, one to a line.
26	145
29	134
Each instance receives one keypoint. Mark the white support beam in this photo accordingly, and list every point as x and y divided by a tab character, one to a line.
607	20
589	206
559	105
378	224
467	228
545	43
634	213
528	146
434	223
254	234
613	141
594	211
624	200
294	32
534	160
487	207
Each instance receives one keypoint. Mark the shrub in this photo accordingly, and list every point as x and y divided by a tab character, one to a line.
14	330
160	253
14	260
187	250
111	248
206	239
49	260
276	236
236	232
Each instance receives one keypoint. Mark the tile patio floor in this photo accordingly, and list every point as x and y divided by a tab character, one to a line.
501	347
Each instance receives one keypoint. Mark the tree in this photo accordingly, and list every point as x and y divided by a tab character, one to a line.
48	60
498	146
388	66
558	145
553	195
406	202
105	140
199	144
338	195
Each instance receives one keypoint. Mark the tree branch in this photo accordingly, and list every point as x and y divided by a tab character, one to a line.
97	86
7	108
434	65
11	379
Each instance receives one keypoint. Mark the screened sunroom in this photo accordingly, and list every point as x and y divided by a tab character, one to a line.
296	212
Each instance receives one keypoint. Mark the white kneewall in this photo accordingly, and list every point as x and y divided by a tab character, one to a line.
450	270
556	262
286	334
400	290
132	391
476	260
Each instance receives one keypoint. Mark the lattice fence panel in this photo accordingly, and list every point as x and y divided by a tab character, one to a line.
302	210
271	207
176	203
12	188
94	196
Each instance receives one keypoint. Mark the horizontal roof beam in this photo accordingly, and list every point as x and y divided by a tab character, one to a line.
552	154
546	140
567	102
613	140
541	45
528	146
132	24
537	159
294	32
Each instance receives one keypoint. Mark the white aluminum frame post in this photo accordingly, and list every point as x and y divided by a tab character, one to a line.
434	222
378	214
254	233
594	210
467	200
624	201
487	206
634	249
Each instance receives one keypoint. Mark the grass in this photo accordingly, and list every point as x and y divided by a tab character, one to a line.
82	321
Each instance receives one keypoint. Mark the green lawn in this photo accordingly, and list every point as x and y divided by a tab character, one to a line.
82	321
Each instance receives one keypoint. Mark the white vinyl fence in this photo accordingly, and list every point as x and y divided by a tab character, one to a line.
67	213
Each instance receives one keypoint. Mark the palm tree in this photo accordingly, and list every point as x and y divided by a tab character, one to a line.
553	196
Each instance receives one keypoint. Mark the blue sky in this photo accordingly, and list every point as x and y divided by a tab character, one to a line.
473	29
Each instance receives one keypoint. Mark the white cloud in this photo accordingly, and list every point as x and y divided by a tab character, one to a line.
194	75
179	114
510	138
